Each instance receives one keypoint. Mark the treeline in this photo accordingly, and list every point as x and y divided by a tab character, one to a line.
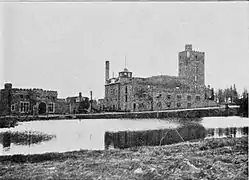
231	96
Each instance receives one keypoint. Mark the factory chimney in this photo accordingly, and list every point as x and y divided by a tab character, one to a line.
107	69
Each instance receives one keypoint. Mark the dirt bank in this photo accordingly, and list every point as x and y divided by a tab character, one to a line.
208	159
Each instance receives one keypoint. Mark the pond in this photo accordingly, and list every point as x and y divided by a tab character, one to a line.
68	135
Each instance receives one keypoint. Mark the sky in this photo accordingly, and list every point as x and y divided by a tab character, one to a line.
64	46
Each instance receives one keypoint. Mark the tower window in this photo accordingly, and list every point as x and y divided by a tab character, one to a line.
178	104
189	105
12	107
126	89
189	98
126	98
198	98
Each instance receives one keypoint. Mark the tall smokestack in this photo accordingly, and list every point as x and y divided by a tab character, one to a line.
107	69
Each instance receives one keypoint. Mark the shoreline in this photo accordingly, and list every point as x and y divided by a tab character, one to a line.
225	158
180	113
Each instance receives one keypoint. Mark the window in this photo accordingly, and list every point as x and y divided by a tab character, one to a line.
126	89
126	98
21	96
159	95
178	104
198	98
168	96
51	107
77	99
168	104
189	98
12	107
159	104
179	97
24	106
189	105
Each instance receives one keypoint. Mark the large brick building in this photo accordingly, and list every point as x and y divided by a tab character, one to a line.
187	90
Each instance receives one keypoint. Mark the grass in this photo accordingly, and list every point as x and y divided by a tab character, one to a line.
225	158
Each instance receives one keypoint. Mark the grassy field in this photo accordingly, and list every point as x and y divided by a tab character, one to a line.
208	159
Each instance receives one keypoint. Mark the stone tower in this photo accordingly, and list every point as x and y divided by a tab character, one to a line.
191	65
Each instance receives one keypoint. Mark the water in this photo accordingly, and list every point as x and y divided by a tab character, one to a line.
69	135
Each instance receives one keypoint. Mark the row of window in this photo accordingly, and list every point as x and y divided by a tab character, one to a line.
159	104
25	107
179	97
169	105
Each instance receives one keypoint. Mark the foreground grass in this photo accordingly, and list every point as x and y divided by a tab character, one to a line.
208	159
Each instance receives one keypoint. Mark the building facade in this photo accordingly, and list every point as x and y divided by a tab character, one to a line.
187	90
14	101
75	102
30	101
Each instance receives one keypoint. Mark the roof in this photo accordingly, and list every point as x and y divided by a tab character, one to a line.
164	81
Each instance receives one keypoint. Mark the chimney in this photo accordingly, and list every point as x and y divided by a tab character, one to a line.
80	96
107	69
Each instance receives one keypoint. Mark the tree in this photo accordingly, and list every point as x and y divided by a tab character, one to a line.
212	94
244	103
220	96
235	94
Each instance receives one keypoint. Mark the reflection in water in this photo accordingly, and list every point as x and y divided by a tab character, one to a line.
90	134
125	139
5	140
22	138
227	132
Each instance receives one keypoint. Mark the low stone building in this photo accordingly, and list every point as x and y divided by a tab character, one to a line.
26	101
187	90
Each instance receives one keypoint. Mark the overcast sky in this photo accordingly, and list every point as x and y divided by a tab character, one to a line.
64	46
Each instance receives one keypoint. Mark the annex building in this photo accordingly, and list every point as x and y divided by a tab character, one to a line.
14	101
187	90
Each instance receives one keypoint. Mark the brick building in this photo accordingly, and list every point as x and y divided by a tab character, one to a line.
187	90
37	101
31	101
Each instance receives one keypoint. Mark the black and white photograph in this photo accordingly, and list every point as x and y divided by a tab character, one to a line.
124	90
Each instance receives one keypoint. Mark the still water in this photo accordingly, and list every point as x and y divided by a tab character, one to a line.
68	135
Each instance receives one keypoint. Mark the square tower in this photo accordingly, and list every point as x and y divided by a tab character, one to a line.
191	65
